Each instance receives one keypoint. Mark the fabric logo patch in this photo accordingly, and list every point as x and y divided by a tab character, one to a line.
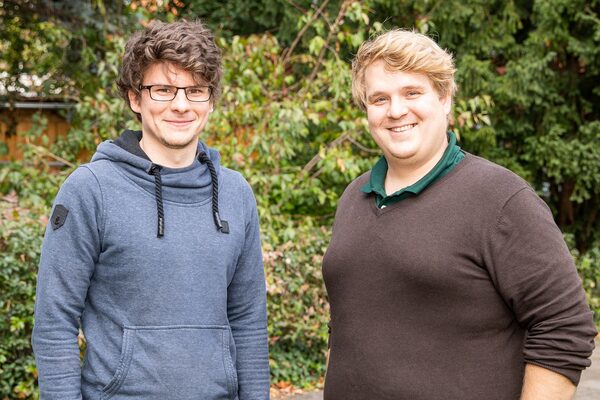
59	216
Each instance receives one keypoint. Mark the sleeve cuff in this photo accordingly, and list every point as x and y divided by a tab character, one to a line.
574	375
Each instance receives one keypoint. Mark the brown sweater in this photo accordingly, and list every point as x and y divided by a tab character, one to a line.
448	294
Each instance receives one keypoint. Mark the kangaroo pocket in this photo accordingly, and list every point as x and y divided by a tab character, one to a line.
182	362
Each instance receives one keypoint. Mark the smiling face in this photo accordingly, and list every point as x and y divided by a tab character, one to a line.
407	117
169	128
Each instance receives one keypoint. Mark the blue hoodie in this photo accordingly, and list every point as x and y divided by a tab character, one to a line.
180	316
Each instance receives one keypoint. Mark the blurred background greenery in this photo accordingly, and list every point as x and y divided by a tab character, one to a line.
529	99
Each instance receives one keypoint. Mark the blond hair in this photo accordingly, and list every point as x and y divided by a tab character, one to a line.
407	51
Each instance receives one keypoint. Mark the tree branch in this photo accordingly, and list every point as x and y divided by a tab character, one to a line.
289	52
296	6
46	152
363	148
313	161
332	31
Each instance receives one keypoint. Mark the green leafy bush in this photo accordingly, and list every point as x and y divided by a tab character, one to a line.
297	306
528	74
26	192
588	265
21	234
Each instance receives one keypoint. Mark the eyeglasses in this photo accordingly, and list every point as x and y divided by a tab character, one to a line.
167	93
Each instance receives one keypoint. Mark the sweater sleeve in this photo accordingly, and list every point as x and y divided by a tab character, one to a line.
246	309
69	253
535	274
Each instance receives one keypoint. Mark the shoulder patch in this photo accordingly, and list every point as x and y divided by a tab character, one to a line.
59	216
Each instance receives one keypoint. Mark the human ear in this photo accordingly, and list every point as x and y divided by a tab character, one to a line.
134	101
446	103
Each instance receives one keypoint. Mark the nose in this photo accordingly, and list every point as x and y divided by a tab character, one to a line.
180	102
397	109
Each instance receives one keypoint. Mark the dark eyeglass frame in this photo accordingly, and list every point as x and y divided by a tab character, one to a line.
184	88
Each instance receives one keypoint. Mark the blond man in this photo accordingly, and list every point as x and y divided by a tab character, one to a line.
446	274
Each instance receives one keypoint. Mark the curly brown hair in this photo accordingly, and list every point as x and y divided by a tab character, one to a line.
188	45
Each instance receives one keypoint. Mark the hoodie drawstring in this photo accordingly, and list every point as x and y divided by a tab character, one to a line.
155	170
222	226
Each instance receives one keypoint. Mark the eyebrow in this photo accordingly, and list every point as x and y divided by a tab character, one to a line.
402	89
169	84
414	87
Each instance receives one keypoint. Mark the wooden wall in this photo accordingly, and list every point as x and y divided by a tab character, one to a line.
21	120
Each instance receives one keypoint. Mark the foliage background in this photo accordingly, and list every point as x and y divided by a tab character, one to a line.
529	99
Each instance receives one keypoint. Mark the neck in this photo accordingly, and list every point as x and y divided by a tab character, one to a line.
403	173
169	157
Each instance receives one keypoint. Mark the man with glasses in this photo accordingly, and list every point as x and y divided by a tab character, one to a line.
153	248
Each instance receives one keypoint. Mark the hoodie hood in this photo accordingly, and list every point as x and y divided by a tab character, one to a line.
187	185
193	184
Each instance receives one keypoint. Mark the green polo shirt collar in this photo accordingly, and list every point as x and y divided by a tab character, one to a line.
451	157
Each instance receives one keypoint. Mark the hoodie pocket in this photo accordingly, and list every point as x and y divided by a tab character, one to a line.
157	362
